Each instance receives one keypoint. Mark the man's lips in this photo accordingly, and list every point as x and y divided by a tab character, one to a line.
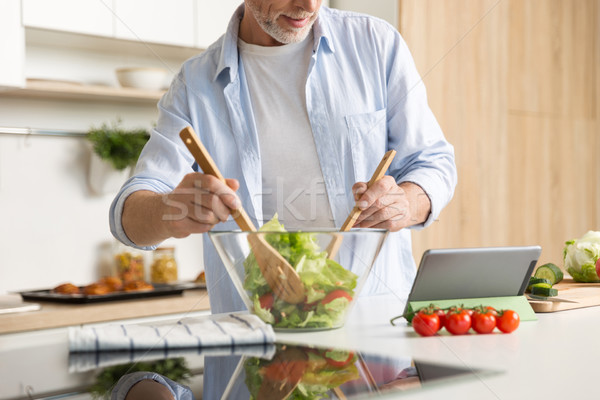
297	23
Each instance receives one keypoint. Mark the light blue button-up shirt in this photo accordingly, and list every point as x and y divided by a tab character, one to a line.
364	96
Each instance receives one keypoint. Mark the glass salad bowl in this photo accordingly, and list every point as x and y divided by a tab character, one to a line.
332	266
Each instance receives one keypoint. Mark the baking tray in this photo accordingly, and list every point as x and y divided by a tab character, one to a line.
159	290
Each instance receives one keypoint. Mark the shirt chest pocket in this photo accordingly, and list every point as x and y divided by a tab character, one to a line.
367	137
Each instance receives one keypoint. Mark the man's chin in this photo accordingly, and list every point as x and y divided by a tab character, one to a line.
291	35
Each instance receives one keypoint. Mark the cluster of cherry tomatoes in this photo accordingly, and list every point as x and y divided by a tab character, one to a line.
458	320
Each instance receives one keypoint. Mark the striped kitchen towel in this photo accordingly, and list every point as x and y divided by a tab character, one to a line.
197	332
82	361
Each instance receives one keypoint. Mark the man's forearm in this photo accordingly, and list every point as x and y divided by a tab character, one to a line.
142	218
420	205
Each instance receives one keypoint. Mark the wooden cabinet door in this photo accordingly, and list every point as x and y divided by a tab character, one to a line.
156	21
80	16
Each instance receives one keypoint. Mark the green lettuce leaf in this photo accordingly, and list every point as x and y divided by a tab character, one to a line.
580	256
319	275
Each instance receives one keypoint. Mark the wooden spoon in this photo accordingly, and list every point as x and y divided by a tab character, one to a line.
279	274
336	242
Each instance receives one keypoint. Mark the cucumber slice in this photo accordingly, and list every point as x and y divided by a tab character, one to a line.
549	271
534	281
544	291
541	285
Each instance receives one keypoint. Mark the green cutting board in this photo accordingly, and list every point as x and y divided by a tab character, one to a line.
516	303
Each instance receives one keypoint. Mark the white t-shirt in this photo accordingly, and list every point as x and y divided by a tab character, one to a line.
292	181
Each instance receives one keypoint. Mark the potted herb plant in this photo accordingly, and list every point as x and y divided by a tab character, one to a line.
115	152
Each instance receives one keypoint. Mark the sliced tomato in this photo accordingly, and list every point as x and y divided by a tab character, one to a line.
266	301
339	363
291	370
336	294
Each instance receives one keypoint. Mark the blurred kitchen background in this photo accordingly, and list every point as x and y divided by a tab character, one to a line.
514	84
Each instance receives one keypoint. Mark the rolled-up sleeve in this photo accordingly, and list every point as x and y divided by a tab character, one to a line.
164	160
424	156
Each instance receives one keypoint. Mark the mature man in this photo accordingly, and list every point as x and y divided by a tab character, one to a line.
297	103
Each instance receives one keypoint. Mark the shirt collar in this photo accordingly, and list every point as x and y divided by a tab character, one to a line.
322	30
229	51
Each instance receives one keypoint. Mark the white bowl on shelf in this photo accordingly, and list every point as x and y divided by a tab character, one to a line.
142	78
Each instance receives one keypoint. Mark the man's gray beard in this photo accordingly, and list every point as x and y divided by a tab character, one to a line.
283	36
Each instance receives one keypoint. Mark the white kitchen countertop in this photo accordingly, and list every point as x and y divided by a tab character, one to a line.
553	358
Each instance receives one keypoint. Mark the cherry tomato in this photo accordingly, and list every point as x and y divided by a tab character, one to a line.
598	267
491	310
458	322
336	294
507	321
426	323
442	316
454	309
266	301
483	321
339	363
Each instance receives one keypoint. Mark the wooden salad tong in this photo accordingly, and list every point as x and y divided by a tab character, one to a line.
336	242
279	274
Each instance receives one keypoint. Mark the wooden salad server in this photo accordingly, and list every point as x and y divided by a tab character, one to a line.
336	242
279	274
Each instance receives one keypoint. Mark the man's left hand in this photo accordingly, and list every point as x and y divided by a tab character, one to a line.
387	205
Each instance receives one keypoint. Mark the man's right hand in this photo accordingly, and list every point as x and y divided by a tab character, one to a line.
196	205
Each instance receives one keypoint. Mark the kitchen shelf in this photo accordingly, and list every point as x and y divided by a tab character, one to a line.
74	91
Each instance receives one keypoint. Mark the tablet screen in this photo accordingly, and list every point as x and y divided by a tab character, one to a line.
474	272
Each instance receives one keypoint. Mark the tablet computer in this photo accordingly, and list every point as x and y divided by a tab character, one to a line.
446	274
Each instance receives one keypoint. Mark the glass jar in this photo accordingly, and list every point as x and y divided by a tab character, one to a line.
164	266
129	264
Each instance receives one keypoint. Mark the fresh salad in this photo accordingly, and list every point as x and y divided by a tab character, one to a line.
311	376
329	287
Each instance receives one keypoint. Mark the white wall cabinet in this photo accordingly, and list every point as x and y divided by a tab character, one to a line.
12	45
85	40
156	21
81	16
211	21
187	23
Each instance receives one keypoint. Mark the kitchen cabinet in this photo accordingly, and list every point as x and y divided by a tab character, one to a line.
211	21
82	16
186	23
157	21
84	41
12	44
